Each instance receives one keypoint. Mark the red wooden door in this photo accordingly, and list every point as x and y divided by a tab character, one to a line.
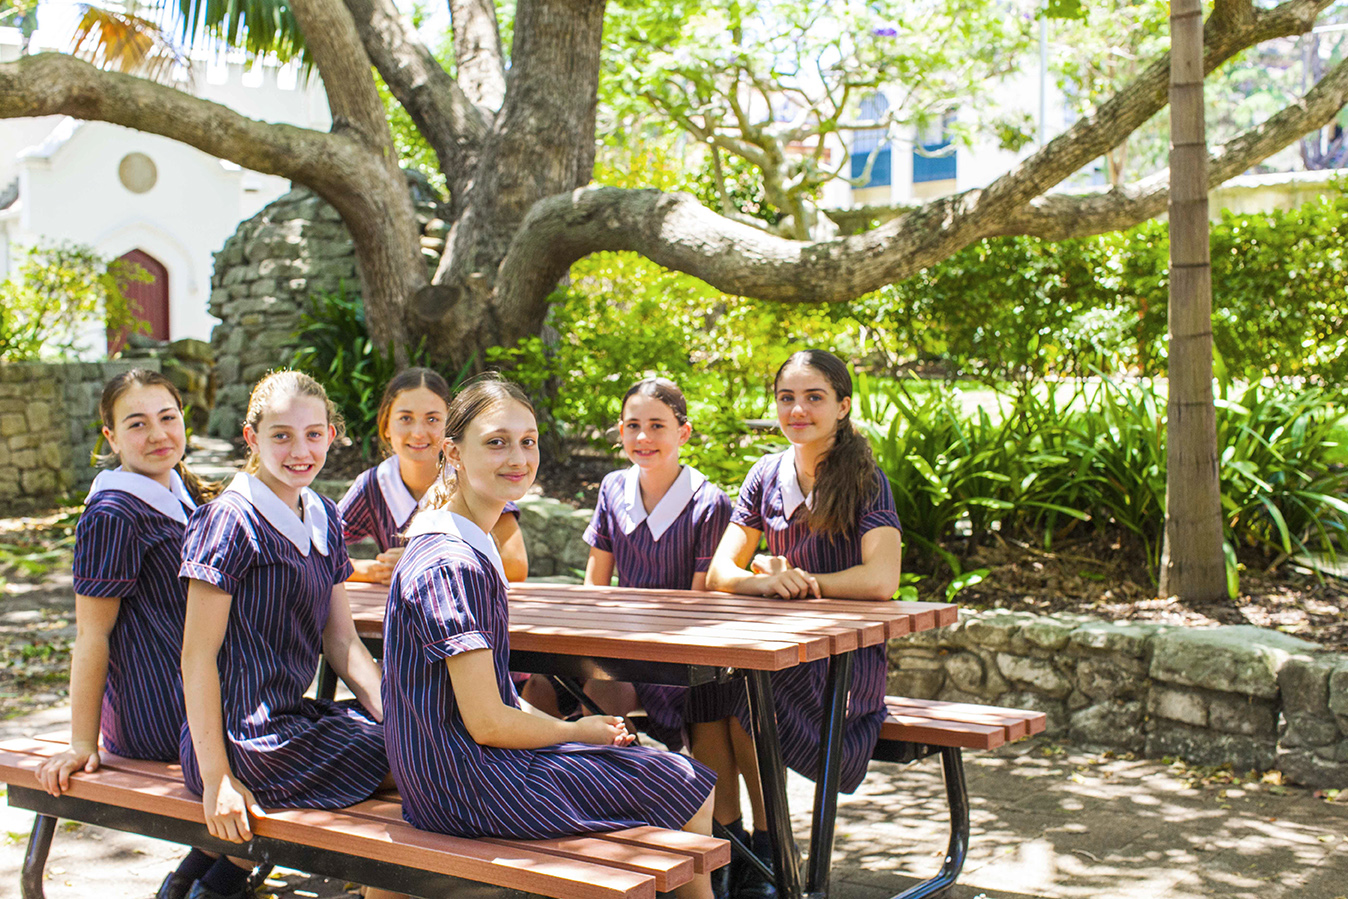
149	301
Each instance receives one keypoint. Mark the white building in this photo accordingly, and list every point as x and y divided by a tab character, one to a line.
123	192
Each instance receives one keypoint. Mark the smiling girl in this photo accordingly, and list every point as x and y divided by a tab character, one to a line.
125	684
411	427
264	565
657	524
827	514
467	758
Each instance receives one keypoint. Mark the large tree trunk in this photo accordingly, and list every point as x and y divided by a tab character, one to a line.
1192	563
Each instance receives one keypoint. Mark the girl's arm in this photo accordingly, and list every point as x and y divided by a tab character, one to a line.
510	541
491	722
347	655
94	619
599	568
371	571
877	577
226	801
729	569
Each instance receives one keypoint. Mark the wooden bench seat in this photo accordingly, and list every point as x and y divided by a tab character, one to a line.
917	728
367	843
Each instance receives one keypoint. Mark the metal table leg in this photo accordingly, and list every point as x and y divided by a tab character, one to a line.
772	773
326	688
35	859
832	725
957	794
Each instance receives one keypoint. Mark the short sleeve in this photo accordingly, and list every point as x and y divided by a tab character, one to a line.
711	528
357	517
748	509
107	553
879	512
219	547
599	532
342	569
443	603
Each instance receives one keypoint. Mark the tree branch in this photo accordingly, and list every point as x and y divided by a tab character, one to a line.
439	108
477	53
676	231
331	37
1233	26
1061	216
56	84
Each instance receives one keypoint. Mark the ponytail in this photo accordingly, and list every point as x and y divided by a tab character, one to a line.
844	482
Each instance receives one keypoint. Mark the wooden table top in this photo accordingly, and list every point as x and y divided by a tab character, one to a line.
683	626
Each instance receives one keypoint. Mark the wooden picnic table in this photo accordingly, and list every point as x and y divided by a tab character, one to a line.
685	637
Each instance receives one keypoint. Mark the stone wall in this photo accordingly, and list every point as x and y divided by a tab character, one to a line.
1249	697
265	277
552	536
49	426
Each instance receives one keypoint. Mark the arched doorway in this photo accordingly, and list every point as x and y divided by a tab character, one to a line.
149	301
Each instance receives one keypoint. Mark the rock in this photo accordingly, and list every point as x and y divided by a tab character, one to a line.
1303	682
965	672
1305	768
1037	673
1188	706
192	349
1234	714
1205	747
1110	677
1239	659
1129	638
1109	723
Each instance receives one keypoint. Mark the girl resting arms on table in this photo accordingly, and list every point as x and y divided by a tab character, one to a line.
828	516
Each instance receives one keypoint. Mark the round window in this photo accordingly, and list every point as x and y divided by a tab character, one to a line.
137	172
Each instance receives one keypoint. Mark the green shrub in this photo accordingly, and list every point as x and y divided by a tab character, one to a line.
336	349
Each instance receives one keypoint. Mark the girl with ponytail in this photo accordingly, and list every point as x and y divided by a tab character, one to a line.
828	517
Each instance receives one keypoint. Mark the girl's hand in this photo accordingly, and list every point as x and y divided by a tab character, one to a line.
791	583
227	804
766	564
381	569
603	730
54	775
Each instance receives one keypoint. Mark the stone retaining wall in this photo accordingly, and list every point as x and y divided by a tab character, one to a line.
49	426
1246	696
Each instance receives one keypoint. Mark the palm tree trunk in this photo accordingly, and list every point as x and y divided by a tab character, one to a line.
1192	563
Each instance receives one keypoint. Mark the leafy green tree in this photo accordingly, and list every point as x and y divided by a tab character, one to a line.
62	293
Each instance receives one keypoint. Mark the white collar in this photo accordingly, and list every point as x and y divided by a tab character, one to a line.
792	495
443	521
313	530
167	501
397	497
667	511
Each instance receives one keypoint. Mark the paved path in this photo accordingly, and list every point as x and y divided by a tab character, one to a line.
1048	821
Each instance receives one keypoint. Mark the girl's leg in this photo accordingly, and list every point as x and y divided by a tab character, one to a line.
539	693
747	761
700	886
614	697
711	745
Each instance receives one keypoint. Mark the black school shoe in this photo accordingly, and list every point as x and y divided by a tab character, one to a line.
201	891
747	882
176	885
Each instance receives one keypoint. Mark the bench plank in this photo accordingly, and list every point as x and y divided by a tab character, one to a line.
626	868
957	724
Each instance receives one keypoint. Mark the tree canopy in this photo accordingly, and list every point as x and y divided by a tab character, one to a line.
512	125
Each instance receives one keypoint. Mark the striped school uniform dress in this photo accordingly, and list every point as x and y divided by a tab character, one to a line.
378	505
128	544
661	550
448	596
771	501
290	751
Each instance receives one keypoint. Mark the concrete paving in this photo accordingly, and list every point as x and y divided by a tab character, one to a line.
1048	821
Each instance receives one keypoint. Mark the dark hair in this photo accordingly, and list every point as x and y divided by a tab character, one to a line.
844	477
486	391
410	379
283	383
662	389
200	490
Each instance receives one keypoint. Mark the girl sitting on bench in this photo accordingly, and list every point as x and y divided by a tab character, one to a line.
467	758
